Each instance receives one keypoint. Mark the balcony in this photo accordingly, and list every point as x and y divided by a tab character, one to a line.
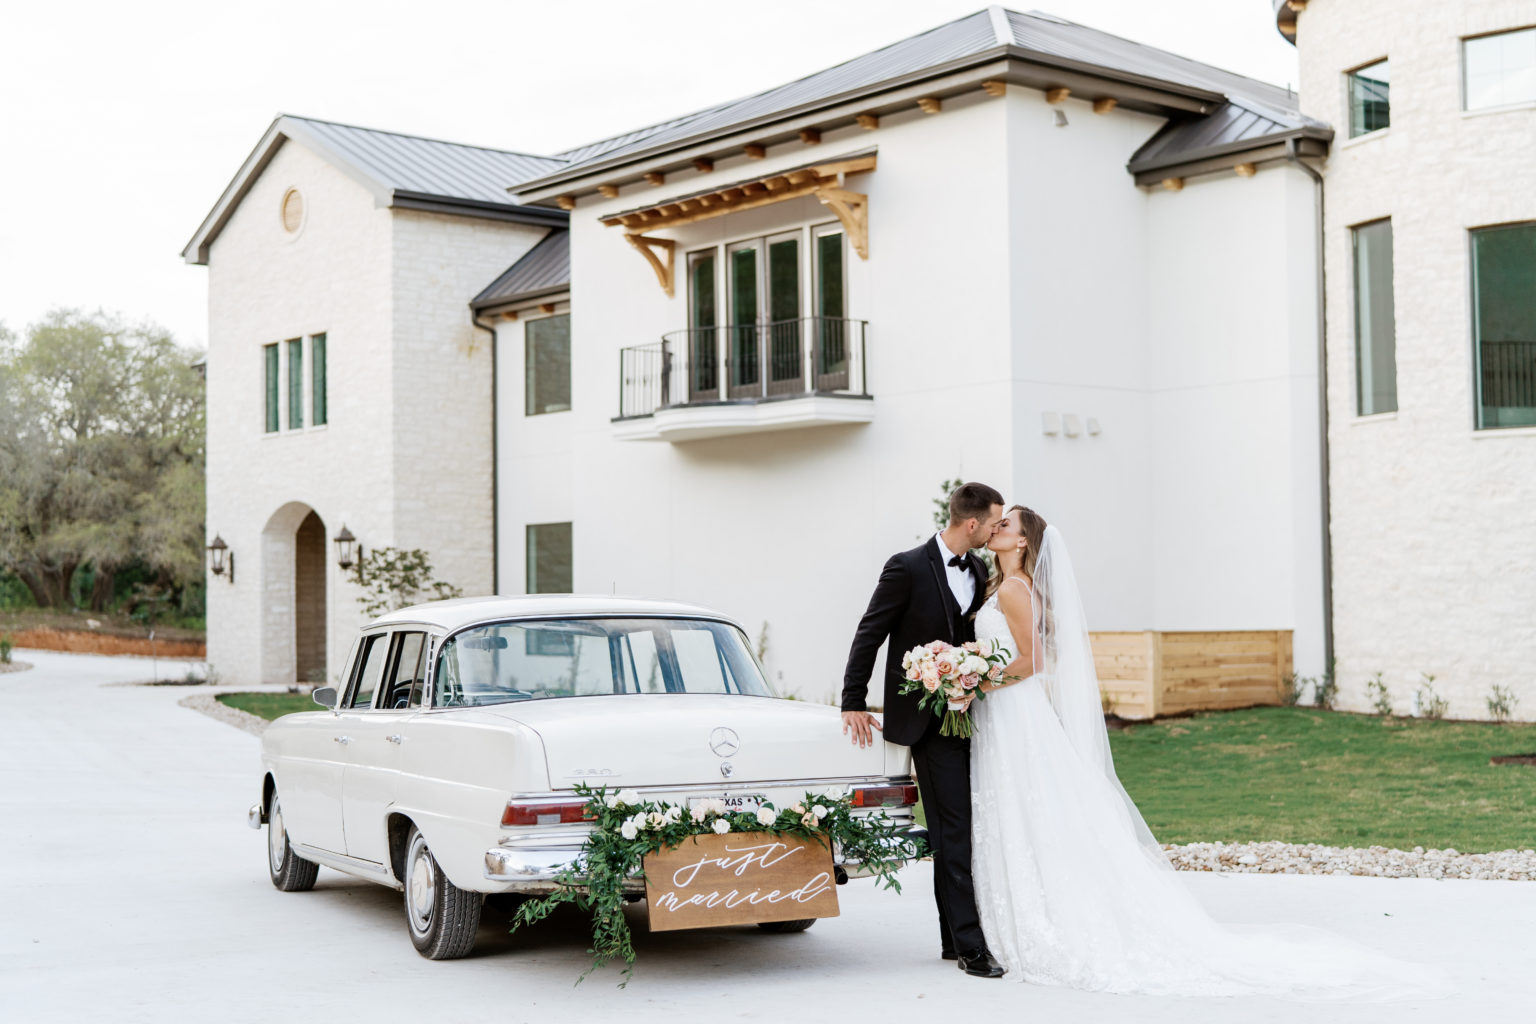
751	378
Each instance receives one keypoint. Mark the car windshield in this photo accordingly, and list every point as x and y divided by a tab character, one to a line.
537	660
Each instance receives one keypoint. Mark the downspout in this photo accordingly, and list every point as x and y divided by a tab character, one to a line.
1293	155
495	482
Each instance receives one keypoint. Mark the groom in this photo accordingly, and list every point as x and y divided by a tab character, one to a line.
927	594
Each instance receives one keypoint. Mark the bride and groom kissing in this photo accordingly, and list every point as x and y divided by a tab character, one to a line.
1043	868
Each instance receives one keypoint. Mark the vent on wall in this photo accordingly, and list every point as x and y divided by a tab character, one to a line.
292	211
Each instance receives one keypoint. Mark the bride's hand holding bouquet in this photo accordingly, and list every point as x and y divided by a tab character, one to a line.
950	678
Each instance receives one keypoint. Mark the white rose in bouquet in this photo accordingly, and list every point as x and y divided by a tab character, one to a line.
766	816
721	826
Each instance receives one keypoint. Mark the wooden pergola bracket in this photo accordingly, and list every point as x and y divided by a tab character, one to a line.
852	209
647	245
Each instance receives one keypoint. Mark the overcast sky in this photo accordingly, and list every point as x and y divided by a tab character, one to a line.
120	123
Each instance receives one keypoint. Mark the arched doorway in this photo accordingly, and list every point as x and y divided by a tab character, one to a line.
293	585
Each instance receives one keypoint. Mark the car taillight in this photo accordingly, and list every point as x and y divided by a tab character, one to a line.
885	796
545	813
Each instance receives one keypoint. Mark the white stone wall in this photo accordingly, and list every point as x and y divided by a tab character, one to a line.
1433	542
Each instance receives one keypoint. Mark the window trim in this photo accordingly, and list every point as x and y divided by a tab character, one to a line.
1349	101
319	379
528	410
1476	362
528	562
1464	40
271	389
1354	275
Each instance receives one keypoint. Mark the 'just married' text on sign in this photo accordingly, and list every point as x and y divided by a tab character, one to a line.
739	878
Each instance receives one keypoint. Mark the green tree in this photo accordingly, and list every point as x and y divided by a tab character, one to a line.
393	578
101	455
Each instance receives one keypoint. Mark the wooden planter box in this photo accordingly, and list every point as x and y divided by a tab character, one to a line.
1148	674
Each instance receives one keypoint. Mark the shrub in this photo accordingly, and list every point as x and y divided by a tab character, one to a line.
1292	686
1501	703
1325	690
1430	704
392	578
1381	698
5	649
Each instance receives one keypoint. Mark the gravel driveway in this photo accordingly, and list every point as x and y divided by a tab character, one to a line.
131	890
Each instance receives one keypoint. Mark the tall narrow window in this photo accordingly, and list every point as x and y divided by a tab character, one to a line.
744	279
1375	320
1504	324
786	369
269	362
317	379
831	356
295	383
547	359
1370	107
703	336
1500	70
549	558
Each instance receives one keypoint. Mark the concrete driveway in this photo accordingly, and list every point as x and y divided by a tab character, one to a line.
132	890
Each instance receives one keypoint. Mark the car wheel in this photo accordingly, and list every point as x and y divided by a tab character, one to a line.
786	926
442	917
289	871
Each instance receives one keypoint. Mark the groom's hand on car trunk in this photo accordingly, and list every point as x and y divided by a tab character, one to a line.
860	724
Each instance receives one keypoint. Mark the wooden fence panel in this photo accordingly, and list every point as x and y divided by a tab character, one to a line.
1147	674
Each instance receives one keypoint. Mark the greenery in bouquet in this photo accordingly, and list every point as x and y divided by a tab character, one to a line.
949	679
626	829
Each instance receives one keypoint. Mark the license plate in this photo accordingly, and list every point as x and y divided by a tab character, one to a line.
735	803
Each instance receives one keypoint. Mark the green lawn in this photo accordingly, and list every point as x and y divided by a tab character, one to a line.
270	705
1300	775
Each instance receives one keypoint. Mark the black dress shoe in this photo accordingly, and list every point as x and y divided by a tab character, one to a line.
980	964
949	954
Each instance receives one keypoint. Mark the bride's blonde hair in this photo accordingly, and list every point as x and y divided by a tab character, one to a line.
1032	524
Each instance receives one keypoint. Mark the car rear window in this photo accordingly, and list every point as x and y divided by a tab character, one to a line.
539	660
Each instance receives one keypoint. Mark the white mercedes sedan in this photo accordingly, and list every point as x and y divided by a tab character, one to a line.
445	764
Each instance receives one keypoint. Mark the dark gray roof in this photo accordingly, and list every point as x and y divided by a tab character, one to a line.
402	171
987	35
543	270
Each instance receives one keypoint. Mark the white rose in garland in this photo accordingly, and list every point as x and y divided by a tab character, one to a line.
820	810
629	796
721	826
766	816
628	830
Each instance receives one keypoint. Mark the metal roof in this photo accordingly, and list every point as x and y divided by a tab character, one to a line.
987	35
402	171
543	270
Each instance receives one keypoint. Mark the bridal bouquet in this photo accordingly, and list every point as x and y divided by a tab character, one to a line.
945	675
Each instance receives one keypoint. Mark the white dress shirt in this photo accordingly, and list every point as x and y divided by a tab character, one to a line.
961	582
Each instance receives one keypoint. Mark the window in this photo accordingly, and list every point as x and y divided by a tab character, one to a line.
1375	320
831	355
549	558
547	358
538	660
270	364
703	350
370	671
1504	324
1370	108
407	672
295	383
1500	70
317	379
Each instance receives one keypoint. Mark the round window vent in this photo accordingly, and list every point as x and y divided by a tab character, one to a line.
293	211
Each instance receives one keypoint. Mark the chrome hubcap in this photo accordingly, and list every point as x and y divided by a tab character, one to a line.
420	886
277	838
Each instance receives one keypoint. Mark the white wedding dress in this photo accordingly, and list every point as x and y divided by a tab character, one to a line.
1071	886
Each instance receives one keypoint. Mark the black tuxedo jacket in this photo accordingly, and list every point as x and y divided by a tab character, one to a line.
912	605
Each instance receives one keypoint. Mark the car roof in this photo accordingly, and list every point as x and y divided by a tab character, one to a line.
464	611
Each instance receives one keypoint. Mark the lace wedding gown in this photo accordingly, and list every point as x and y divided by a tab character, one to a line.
1071	886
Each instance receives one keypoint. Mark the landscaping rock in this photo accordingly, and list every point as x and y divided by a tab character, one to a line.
1375	861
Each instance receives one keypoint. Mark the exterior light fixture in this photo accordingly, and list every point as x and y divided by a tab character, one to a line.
220	558
348	551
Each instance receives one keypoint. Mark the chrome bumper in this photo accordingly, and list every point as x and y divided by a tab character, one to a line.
256	816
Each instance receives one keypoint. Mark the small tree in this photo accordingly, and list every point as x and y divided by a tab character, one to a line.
941	503
395	577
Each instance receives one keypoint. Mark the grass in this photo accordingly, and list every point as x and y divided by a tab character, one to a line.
1306	776
270	705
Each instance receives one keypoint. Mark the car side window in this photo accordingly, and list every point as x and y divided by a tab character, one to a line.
370	670
407	669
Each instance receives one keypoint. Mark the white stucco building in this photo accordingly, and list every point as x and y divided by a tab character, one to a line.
1431	298
1011	249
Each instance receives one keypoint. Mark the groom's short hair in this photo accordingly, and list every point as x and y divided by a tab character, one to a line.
972	501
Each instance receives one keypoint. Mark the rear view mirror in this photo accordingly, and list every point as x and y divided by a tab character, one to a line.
485	643
325	696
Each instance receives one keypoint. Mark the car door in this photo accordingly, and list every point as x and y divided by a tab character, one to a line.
378	735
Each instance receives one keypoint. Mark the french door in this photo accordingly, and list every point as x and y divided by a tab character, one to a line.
829	357
763	333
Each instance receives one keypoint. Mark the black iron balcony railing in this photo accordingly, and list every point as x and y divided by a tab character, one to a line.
744	363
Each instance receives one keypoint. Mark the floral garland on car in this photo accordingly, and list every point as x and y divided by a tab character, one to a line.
626	829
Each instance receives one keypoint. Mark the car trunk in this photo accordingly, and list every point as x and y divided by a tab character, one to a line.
679	740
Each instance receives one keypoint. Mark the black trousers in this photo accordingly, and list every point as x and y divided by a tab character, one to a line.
943	768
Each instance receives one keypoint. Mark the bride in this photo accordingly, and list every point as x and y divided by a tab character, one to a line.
1071	886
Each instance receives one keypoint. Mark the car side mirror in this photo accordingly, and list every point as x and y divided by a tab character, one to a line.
325	696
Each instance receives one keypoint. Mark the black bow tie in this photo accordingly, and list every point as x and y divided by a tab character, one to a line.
961	562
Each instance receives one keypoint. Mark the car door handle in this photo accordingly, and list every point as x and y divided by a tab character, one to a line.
343	740
393	737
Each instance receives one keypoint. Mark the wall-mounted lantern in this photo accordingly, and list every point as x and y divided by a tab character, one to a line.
348	551
221	558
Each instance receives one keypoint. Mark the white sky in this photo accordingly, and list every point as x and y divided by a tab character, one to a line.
120	123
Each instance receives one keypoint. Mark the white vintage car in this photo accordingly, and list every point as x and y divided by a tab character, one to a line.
446	765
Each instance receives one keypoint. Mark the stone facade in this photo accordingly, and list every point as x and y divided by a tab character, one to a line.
404	459
1433	521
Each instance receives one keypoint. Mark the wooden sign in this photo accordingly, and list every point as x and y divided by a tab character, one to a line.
739	878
